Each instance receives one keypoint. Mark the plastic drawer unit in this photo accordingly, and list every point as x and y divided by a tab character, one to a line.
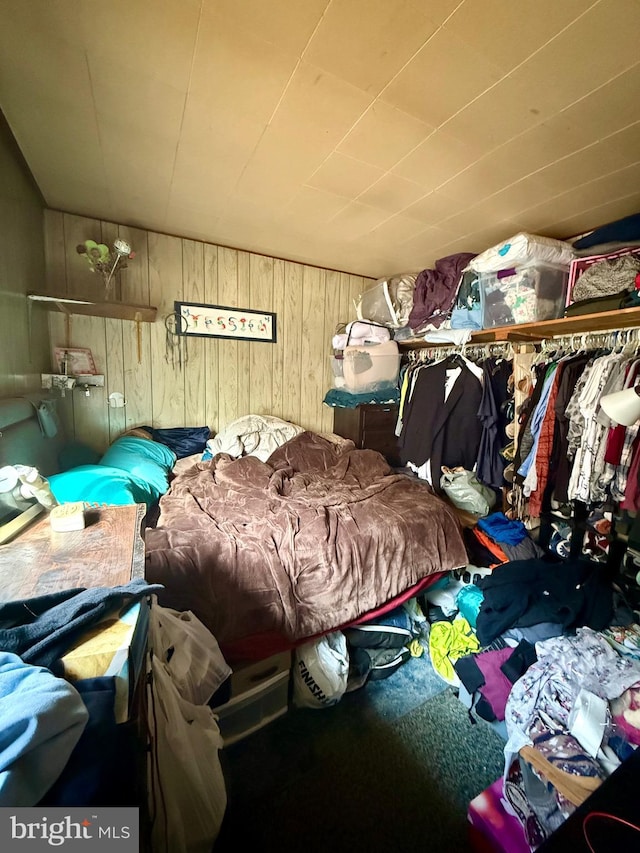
259	694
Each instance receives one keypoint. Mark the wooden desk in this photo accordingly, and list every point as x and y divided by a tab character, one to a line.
108	552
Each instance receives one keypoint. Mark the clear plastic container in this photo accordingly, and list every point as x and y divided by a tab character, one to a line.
370	368
253	709
524	294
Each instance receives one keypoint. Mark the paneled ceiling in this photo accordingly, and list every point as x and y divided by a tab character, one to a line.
371	136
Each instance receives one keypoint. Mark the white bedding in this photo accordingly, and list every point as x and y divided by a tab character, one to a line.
522	249
253	435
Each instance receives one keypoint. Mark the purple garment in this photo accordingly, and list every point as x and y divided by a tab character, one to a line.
496	687
435	290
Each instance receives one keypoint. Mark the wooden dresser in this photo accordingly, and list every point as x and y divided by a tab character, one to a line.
371	427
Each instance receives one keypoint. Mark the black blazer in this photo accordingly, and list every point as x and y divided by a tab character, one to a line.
448	433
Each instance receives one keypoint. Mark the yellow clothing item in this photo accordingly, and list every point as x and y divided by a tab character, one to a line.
448	642
416	649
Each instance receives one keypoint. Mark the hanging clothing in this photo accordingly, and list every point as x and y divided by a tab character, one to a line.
560	469
440	423
493	417
537	418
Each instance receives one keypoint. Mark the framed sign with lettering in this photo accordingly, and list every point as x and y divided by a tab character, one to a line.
222	321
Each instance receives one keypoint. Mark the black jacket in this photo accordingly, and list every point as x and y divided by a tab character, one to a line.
446	432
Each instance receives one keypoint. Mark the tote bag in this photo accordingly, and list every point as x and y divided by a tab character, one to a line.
465	491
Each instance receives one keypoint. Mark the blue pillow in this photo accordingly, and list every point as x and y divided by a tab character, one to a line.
148	463
98	484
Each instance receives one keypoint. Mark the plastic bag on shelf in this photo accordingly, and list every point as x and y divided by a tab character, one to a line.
389	301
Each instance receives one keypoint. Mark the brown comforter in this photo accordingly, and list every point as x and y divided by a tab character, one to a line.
302	544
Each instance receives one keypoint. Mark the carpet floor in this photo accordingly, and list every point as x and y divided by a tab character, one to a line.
391	767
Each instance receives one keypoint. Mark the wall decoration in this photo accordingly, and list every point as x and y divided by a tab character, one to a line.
222	321
105	261
74	361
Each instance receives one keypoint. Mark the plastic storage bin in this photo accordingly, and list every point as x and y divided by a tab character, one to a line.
525	294
370	368
253	709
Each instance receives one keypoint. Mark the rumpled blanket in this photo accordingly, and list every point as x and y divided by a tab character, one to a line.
300	545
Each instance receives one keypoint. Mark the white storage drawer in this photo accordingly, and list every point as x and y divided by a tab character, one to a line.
253	709
247	676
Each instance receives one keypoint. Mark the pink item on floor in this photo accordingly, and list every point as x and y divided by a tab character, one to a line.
492	829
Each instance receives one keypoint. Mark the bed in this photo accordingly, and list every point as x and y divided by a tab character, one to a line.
272	536
269	552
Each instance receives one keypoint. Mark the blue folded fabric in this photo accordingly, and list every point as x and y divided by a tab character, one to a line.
345	400
43	718
42	629
502	529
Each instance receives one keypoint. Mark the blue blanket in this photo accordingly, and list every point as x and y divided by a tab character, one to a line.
41	720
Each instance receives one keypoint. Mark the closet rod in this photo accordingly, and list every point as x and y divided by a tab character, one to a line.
627	334
504	348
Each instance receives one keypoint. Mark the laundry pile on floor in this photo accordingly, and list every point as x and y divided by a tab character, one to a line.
548	651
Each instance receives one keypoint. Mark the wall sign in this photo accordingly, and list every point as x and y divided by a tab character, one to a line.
221	321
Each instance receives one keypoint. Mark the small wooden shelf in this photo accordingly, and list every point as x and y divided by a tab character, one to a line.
113	310
626	318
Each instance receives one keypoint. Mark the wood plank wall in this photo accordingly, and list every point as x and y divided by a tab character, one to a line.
221	380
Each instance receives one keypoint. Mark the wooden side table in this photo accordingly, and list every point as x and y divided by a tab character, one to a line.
108	552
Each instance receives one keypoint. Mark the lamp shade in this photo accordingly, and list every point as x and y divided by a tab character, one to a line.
623	407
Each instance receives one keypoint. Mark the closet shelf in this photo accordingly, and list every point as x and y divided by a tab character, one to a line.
625	318
113	310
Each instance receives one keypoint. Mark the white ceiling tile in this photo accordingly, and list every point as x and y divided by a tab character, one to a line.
384	135
392	193
137	101
317	103
444	76
557	75
592	218
344	176
438	158
314	207
434	207
396	230
289	25
608	155
355	220
386	35
236	73
511	32
157	38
